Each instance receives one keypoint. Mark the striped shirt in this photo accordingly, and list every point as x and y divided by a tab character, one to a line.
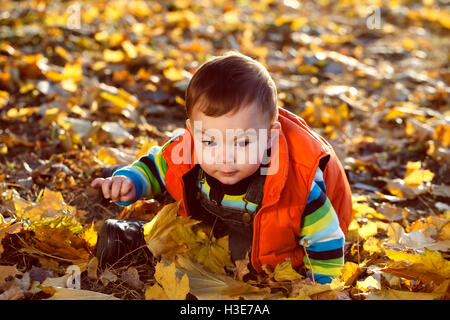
320	233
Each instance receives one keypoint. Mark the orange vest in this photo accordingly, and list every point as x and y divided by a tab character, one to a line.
277	223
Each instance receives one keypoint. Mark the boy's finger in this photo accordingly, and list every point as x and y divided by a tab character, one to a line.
115	190
106	185
130	196
97	182
126	187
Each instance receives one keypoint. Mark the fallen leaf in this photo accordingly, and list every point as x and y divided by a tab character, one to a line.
372	245
131	277
241	268
391	294
350	272
92	268
285	272
155	292
415	176
157	231
307	291
76	294
5	273
107	276
50	205
369	283
174	288
430	261
415	239
367	230
209	286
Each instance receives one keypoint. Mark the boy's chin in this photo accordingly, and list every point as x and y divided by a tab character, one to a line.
228	180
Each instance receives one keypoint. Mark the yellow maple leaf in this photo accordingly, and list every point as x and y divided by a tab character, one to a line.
171	286
155	292
157	231
372	245
430	261
369	229
285	272
350	272
360	210
214	255
50	205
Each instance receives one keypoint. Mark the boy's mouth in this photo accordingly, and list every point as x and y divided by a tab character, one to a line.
227	173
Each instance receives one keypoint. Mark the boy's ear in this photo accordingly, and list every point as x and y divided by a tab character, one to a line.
270	137
188	124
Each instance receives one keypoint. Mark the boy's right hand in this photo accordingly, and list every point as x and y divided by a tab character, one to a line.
119	188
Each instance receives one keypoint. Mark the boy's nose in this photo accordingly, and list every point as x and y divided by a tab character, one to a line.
228	155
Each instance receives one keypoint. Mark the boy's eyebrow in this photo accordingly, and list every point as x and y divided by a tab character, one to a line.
235	137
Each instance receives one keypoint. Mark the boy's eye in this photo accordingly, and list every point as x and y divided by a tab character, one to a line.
209	143
243	143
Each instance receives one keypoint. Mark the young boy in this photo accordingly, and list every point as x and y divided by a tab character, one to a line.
254	171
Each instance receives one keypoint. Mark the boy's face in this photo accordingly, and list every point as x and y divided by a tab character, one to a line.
231	147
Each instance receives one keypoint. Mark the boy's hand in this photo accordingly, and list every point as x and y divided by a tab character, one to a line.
119	188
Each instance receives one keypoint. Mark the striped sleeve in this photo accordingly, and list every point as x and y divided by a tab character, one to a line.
147	174
321	234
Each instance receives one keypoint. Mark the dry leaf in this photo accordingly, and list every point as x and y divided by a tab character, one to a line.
369	283
75	294
285	272
209	286
241	268
174	288
92	268
107	276
431	262
131	277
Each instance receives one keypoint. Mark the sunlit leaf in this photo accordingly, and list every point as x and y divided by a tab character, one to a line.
171	287
285	272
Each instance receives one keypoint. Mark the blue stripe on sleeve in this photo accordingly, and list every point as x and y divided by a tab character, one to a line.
327	245
315	193
320	278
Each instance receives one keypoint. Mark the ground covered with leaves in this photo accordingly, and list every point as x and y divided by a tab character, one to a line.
88	84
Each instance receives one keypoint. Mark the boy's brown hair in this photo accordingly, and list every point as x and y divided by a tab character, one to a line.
229	82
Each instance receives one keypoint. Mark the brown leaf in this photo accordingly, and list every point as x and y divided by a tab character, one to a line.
5	273
92	267
242	268
131	277
107	276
